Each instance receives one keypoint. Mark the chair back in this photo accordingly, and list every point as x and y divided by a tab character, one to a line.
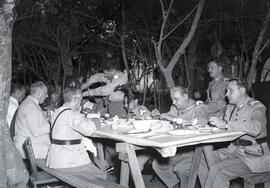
31	157
12	125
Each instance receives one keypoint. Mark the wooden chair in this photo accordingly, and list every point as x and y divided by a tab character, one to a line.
37	177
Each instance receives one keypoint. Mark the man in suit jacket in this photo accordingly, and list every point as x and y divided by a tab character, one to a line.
249	154
31	122
67	152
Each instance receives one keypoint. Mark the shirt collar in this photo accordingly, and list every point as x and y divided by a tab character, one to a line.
34	99
13	100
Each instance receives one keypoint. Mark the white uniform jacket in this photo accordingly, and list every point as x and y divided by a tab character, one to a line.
70	125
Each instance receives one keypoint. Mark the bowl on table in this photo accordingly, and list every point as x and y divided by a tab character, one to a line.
145	125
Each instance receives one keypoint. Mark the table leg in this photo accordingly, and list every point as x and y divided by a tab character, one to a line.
124	173
196	159
100	152
210	160
132	160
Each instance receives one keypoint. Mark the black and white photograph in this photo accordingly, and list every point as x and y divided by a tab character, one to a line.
134	93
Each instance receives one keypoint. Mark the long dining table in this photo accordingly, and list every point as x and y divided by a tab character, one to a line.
165	140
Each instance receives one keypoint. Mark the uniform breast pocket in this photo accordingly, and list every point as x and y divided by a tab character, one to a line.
240	117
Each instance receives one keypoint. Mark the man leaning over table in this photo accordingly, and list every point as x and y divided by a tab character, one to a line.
248	154
113	78
31	122
67	152
187	111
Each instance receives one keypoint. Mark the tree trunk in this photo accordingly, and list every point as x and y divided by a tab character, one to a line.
167	72
5	76
169	79
257	51
9	157
123	36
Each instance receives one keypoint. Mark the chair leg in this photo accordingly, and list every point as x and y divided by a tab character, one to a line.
248	185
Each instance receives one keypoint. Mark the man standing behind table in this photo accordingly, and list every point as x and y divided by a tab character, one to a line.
31	122
112	78
248	154
17	94
67	153
216	91
187	111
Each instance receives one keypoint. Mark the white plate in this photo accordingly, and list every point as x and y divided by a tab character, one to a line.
183	132
138	131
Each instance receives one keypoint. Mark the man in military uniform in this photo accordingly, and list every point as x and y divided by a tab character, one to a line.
248	154
67	152
189	112
113	78
216	102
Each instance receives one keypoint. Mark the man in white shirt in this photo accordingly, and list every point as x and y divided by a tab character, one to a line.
67	153
31	122
17	94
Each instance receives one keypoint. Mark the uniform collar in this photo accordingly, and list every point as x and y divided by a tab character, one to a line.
189	105
247	99
219	78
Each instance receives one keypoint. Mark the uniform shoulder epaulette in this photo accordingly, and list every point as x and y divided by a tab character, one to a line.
199	102
252	102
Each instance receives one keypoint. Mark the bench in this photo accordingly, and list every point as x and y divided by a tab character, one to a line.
250	182
73	181
49	175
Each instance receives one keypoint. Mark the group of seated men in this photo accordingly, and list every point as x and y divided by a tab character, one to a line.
59	142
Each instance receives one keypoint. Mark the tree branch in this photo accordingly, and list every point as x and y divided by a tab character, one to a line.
264	46
252	71
187	40
182	21
165	17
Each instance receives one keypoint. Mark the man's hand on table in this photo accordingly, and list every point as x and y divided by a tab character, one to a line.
166	117
218	122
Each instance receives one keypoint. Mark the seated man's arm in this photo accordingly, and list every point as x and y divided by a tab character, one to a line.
201	114
255	125
37	123
82	124
172	114
215	106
